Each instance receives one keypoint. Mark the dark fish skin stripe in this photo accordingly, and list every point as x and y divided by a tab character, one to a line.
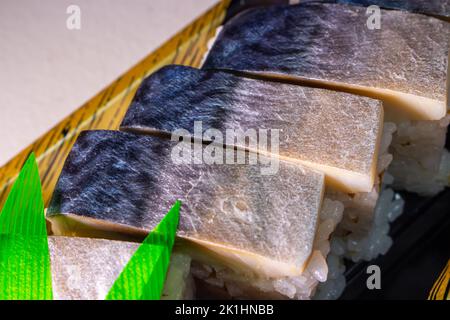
431	7
263	39
105	175
129	179
176	96
331	42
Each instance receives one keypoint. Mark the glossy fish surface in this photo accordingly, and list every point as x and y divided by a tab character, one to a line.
404	61
86	269
335	132
122	182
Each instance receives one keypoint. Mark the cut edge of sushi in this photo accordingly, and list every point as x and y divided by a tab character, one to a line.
412	106
242	261
235	284
340	179
72	225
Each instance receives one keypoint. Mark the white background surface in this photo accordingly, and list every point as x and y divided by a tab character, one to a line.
47	71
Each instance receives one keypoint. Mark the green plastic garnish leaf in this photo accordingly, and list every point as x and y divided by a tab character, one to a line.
25	272
24	256
144	276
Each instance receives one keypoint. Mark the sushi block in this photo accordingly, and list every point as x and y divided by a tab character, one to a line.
404	63
436	8
336	133
340	134
86	269
256	229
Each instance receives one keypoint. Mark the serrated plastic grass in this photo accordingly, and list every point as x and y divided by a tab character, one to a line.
144	276
24	256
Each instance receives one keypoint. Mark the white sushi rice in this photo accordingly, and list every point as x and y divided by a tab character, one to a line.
421	164
363	231
364	212
299	287
350	226
418	159
361	246
412	157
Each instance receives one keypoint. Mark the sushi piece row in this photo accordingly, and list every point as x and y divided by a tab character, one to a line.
257	230
404	64
357	111
339	134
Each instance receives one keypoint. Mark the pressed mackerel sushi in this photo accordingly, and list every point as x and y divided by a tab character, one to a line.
119	185
337	133
437	8
404	63
86	269
331	130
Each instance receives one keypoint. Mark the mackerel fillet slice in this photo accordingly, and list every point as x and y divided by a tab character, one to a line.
334	132
119	185
404	62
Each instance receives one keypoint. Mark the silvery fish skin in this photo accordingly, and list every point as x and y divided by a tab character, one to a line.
331	45
86	269
438	8
336	132
115	181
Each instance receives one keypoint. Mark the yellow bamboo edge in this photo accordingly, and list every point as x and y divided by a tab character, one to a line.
441	288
